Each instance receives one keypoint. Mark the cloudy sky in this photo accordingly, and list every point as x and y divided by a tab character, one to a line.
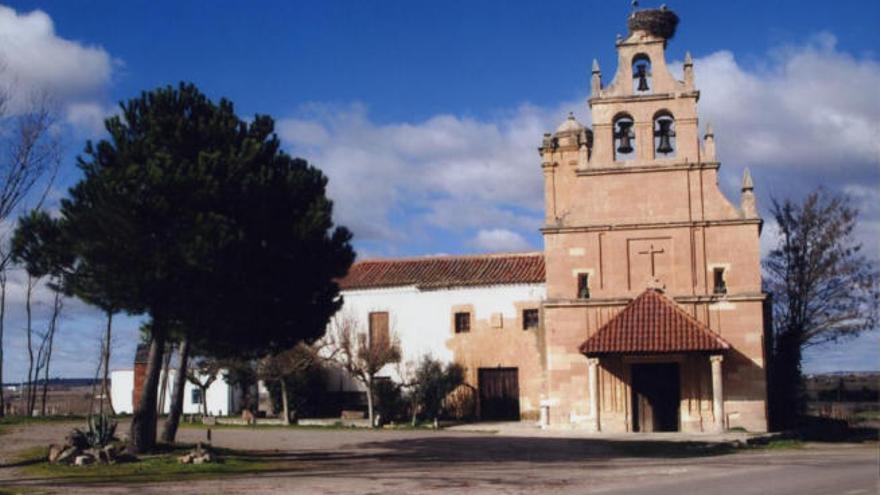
426	116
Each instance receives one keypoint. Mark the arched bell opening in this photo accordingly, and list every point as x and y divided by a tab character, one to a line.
624	138
643	82
664	135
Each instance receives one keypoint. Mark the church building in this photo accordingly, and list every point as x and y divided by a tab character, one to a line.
644	312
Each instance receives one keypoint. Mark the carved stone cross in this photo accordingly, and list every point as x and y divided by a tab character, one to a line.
651	252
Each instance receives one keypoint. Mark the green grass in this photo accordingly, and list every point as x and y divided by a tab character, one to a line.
148	468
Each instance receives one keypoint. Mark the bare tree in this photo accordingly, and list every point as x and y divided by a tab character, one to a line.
278	367
823	289
3	269
360	357
29	153
57	304
29	333
203	375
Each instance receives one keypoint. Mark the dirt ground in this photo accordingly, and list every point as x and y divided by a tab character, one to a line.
363	461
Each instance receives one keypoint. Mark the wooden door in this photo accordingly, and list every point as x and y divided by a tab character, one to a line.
656	396
499	393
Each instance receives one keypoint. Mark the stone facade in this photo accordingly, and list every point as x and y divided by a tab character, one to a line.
632	204
647	219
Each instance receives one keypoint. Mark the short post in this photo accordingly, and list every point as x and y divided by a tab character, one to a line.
593	375
545	416
717	392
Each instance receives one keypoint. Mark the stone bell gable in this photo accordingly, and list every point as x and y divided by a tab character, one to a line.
632	203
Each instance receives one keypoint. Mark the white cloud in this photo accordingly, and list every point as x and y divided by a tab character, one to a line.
806	111
35	61
810	106
500	240
448	171
88	117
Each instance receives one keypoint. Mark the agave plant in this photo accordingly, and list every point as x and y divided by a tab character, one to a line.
100	433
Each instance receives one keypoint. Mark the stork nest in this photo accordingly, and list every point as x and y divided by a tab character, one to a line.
658	22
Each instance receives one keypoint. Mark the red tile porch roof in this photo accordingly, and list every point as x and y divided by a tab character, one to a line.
433	272
652	323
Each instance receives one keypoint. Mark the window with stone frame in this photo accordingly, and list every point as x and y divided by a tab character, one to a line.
379	331
531	319
720	285
583	291
462	322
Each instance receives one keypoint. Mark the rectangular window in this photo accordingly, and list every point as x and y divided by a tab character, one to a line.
379	332
196	396
720	283
583	286
462	322
530	319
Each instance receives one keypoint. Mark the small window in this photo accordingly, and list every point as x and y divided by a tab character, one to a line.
379	333
462	322
196	396
720	283
583	286
530	319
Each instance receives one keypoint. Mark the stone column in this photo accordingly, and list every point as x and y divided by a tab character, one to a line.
593	375
717	392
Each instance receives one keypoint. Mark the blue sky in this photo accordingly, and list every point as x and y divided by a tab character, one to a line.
426	115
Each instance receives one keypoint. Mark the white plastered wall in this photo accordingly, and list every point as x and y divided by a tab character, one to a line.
422	319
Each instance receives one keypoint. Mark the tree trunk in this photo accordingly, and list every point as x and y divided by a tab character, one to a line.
143	423
163	387
2	325
285	407
204	399
30	348
169	432
105	356
787	386
370	401
57	304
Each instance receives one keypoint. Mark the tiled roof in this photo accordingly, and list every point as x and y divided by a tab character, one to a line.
447	271
652	323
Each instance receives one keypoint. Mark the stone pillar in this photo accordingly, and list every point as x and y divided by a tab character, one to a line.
593	375
717	392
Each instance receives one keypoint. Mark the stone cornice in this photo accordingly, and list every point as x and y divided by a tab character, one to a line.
637	169
685	299
601	100
652	225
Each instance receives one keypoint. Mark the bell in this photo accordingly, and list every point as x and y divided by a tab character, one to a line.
625	136
643	77
664	133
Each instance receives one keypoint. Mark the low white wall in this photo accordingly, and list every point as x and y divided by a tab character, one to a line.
221	398
121	389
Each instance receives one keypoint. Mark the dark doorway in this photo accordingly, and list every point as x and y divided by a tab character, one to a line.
499	393
655	396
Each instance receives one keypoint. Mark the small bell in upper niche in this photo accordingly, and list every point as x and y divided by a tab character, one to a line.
642	75
624	135
664	132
